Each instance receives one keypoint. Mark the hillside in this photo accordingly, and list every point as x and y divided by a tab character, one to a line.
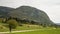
4	11
57	23
31	14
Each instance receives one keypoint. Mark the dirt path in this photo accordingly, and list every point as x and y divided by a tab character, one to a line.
19	31
24	31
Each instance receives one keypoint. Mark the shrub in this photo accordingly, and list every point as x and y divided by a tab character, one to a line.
13	23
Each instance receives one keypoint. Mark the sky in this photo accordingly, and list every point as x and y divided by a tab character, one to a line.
51	7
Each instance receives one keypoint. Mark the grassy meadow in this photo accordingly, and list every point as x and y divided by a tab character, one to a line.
43	31
40	29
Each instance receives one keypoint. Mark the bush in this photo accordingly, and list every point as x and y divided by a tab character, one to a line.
13	23
1	19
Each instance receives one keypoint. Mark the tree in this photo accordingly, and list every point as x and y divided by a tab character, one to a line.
12	24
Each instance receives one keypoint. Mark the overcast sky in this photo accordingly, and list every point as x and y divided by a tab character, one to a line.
51	7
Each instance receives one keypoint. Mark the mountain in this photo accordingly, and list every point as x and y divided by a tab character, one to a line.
31	14
57	23
4	11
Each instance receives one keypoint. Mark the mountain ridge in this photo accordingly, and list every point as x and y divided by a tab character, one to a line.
4	11
31	14
26	13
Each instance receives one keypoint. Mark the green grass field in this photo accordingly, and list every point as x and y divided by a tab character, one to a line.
24	27
44	31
